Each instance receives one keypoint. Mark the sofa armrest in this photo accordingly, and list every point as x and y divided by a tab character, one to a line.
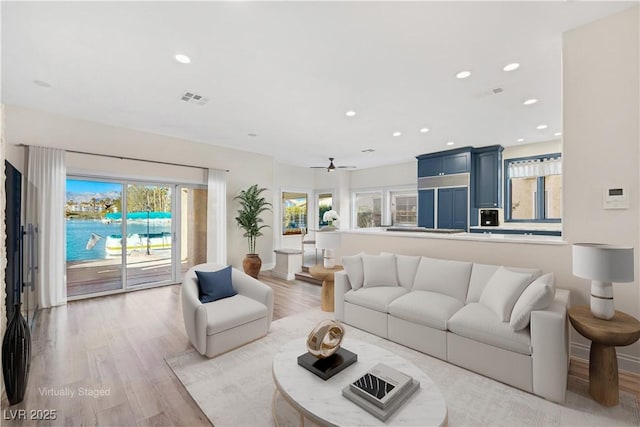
254	289
341	286
550	344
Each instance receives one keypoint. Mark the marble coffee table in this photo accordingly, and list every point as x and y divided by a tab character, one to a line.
322	401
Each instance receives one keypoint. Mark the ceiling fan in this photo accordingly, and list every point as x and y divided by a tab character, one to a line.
331	166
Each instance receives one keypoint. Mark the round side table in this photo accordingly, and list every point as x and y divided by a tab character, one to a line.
605	335
326	275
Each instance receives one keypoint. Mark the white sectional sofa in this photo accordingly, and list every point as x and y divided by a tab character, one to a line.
506	323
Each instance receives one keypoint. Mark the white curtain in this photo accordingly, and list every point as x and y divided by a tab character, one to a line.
535	168
47	174
217	217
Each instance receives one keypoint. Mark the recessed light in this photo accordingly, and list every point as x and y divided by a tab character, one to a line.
397	133
540	127
450	143
530	101
520	140
368	150
424	130
463	74
183	59
511	67
557	134
41	83
350	113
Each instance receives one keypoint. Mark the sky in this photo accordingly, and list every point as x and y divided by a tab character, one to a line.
77	186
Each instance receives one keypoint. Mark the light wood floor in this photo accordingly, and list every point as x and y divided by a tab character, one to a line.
117	344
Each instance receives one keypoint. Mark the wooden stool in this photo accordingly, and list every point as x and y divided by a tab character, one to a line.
605	335
326	275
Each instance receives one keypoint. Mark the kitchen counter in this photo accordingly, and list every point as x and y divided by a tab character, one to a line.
493	237
548	229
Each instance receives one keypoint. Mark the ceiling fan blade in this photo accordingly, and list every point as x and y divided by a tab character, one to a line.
318	167
346	167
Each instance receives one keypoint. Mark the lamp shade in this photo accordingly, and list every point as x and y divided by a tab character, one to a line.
605	263
328	240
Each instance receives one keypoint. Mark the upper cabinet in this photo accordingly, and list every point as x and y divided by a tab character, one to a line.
445	162
487	170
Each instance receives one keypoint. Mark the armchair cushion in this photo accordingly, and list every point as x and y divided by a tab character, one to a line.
215	285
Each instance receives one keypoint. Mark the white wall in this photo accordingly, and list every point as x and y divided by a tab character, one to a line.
533	149
386	176
30	127
601	142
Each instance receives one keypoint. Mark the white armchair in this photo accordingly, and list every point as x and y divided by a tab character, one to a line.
219	326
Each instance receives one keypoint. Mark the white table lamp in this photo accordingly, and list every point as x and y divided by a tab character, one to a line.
328	241
603	264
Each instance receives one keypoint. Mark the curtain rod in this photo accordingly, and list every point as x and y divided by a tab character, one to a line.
128	158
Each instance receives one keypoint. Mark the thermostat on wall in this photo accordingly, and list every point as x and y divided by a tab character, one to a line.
615	198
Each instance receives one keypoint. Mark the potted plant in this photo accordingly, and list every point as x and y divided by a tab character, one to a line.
251	206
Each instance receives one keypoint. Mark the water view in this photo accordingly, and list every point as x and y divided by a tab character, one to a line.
81	231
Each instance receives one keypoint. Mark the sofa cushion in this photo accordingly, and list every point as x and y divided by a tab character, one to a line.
379	270
537	296
355	271
425	308
215	285
480	323
407	266
481	273
503	290
230	312
377	298
444	277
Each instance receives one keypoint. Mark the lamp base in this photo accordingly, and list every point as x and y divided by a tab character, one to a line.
329	258
602	305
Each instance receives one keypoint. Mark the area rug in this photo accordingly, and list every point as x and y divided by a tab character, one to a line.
236	388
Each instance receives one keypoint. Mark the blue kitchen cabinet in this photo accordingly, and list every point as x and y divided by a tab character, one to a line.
488	177
426	205
445	162
452	208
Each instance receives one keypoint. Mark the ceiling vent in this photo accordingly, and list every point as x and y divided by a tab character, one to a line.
193	98
497	90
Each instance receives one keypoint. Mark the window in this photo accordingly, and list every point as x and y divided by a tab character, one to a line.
368	208
294	212
325	203
404	208
534	189
123	235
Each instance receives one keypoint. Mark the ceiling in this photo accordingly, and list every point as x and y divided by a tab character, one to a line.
281	76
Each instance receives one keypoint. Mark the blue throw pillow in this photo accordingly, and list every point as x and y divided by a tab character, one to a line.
215	285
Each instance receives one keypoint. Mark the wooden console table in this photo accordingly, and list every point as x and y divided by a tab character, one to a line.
326	275
605	335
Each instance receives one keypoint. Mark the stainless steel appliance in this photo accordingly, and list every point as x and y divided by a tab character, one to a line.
489	218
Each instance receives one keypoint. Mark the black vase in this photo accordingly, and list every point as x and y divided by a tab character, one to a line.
16	356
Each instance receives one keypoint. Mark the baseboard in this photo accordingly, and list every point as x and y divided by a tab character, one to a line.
626	362
267	266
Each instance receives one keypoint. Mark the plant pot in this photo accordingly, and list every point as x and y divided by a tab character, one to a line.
251	265
16	356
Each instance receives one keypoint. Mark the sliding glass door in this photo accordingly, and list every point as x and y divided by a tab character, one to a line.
128	235
149	238
90	211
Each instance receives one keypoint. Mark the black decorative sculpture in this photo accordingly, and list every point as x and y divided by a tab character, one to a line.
16	356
